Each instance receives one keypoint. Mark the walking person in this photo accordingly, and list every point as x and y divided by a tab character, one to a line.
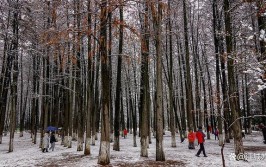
45	142
200	136
191	138
52	141
264	133
182	135
216	133
125	133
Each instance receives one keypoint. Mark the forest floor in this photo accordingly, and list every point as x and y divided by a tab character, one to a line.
27	154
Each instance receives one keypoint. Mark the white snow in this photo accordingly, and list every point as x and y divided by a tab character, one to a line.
259	81
27	154
248	71
262	35
261	87
250	37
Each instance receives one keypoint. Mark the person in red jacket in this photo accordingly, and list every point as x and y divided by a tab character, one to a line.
200	136
191	138
125	133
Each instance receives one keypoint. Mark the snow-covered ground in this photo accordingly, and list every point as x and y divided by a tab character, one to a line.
27	154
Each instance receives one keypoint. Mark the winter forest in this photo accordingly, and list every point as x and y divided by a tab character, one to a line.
158	68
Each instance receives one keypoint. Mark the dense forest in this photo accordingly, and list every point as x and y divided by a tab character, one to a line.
102	66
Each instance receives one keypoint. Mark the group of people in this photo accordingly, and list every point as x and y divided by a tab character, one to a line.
47	140
200	136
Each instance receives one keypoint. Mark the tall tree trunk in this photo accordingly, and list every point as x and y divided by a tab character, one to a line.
23	106
170	82
66	94
182	68
216	31
21	113
144	98
248	122
104	153
205	105
111	80
5	79
157	21
118	107
133	111
262	28
233	99
195	55
89	110
14	51
79	84
96	89
189	96
72	102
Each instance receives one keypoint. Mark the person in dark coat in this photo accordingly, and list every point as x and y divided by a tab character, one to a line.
216	133
264	134
52	141
200	136
182	135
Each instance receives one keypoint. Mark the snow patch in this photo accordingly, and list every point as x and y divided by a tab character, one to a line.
28	154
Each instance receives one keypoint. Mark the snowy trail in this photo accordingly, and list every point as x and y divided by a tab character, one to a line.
27	154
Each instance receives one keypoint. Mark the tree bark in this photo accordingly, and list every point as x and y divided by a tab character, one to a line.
104	153
170	82
14	51
118	106
157	21
262	28
189	96
233	99
87	150
144	98
5	79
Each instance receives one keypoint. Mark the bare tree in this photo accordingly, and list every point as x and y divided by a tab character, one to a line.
233	99
156	11
104	153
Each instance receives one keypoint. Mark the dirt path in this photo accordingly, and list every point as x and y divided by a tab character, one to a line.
70	161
